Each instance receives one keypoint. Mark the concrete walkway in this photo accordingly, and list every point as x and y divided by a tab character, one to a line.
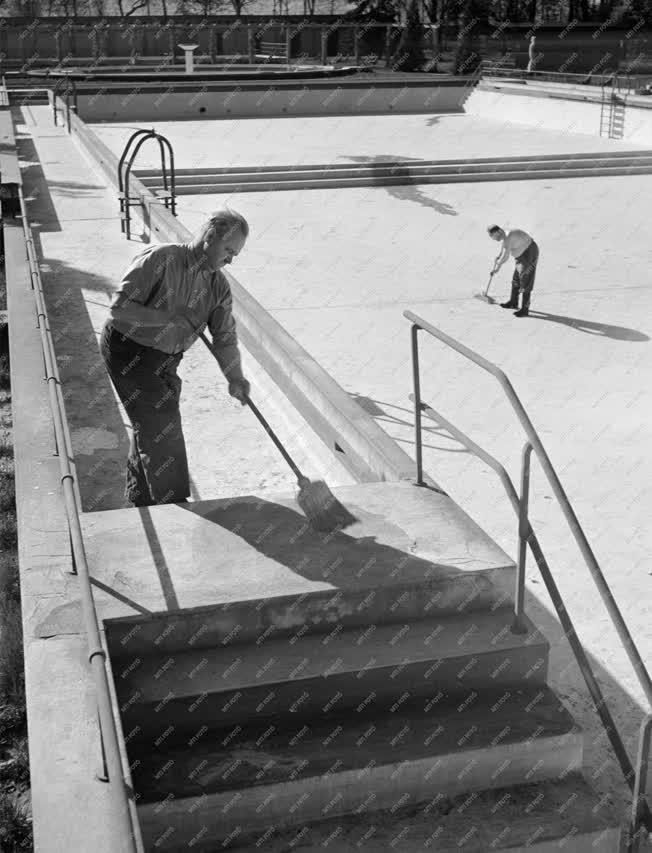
77	234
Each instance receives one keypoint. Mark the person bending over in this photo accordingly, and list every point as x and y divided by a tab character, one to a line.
167	296
523	248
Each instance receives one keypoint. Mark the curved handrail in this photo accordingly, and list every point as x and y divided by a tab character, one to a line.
124	172
128	832
163	140
55	90
418	323
123	156
71	88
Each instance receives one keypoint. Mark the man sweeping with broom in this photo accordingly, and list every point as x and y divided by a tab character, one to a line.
522	247
169	294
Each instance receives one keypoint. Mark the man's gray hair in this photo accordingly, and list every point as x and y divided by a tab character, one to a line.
224	222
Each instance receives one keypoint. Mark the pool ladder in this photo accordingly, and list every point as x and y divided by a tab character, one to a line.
612	110
167	195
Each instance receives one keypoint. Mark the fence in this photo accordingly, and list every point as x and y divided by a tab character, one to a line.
26	44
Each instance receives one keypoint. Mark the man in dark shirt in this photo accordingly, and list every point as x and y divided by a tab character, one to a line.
168	295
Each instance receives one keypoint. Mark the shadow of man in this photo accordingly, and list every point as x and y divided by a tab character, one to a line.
380	554
617	333
400	167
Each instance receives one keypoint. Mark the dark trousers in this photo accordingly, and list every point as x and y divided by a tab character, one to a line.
148	386
524	273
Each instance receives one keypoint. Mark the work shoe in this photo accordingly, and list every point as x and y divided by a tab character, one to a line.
508	305
522	313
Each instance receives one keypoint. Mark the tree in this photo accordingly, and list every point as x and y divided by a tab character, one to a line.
238	6
473	14
409	54
378	11
130	7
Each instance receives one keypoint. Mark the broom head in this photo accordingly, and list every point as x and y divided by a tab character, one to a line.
322	509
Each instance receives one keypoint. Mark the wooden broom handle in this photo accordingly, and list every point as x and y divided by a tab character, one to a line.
270	432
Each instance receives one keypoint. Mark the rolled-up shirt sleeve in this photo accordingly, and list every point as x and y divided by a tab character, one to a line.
221	324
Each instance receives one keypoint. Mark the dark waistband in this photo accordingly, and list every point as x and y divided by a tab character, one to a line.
110	329
532	245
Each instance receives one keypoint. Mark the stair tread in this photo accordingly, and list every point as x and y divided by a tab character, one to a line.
256	753
335	183
516	819
385	164
379	173
302	657
413	171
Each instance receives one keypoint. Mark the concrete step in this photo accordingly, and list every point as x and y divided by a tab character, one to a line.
318	184
561	816
224	785
241	566
381	174
310	675
598	156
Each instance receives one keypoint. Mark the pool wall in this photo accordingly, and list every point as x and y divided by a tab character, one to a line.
244	99
568	110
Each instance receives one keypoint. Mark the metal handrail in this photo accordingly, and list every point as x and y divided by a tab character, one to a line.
639	803
527	536
123	177
534	443
127	829
71	88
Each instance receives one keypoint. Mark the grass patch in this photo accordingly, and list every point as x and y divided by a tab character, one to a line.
4	373
15	810
12	665
15	823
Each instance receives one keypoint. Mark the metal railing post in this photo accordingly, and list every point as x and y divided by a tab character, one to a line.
288	44
636	828
518	625
251	49
103	772
417	403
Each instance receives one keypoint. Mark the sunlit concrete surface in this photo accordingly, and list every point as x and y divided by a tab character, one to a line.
346	139
338	267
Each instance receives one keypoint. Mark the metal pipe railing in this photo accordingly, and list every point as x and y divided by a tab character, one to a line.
527	535
523	528
127	831
632	777
639	803
36	285
569	514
